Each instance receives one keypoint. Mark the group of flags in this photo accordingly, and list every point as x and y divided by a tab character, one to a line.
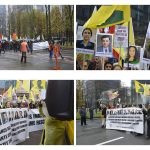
112	95
109	16
25	85
142	88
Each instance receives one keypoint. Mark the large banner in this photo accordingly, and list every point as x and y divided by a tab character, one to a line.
40	45
13	126
36	122
128	119
16	123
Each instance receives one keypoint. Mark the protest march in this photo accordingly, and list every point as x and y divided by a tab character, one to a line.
108	43
113	111
33	106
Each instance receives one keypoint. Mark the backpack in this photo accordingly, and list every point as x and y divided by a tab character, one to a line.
60	99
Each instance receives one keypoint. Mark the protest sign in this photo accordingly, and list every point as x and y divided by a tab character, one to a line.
85	45
121	36
128	119
133	57
104	45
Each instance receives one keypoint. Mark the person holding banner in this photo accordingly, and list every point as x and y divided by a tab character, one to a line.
104	109
85	43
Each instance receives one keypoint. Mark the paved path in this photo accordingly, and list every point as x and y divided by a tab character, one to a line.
36	61
93	134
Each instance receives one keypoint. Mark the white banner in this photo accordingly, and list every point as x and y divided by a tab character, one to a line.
36	122
13	125
84	51
40	45
16	123
128	119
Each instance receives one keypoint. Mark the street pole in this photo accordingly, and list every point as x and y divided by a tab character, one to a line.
49	21
137	99
128	42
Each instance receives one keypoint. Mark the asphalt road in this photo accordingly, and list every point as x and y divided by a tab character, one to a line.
93	134
35	138
37	61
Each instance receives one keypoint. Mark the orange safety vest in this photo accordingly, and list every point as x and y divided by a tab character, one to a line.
24	47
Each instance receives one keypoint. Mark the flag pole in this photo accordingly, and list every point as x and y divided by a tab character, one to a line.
128	41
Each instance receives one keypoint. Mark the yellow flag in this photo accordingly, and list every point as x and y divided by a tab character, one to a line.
13	91
26	85
18	84
70	131
146	90
31	96
35	88
43	84
24	97
19	99
139	88
9	92
108	16
131	32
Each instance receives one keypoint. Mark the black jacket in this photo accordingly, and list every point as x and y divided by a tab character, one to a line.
60	99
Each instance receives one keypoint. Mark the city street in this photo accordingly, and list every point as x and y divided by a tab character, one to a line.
36	61
93	134
34	139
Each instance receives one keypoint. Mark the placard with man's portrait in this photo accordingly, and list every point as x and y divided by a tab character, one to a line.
104	45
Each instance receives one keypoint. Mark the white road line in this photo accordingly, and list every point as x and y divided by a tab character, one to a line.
91	128
110	141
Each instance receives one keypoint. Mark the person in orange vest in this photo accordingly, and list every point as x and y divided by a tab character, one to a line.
60	51
56	50
24	49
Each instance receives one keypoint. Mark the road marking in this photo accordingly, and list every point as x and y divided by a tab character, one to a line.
110	141
91	128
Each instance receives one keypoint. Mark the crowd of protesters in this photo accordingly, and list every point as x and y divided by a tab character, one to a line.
20	104
24	46
103	109
97	64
